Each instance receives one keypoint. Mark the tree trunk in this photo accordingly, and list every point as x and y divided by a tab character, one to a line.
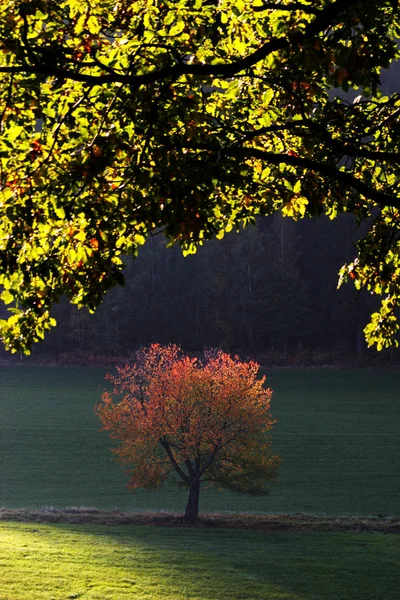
192	506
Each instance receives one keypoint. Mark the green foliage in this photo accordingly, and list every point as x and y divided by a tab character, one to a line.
192	117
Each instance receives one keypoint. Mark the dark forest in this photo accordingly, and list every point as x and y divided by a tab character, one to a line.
268	290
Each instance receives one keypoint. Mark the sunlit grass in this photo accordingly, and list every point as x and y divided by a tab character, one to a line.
143	562
337	431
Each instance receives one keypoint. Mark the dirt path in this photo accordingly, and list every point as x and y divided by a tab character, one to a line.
297	522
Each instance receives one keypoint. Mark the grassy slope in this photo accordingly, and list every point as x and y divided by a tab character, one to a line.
112	563
337	431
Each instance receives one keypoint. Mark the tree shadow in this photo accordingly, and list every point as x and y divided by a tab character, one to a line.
223	564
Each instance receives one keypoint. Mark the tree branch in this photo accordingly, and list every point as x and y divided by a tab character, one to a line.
330	171
344	147
165	444
343	177
306	8
320	23
8	99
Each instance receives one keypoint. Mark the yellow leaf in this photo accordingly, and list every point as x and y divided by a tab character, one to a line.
297	187
81	235
177	29
93	25
14	132
80	24
7	297
139	239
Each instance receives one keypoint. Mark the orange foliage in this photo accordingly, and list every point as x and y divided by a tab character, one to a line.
201	418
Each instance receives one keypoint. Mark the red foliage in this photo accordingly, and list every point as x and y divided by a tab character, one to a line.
199	418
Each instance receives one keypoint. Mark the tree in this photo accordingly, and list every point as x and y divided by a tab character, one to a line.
123	118
204	420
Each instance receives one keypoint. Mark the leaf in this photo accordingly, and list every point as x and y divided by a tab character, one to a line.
139	239
170	18
60	212
177	28
14	132
80	24
80	236
7	297
93	25
157	110
267	96
297	187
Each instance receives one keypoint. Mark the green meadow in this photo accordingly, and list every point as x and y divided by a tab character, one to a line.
337	431
62	562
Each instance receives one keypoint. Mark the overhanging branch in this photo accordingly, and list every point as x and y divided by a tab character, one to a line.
293	6
343	177
322	21
307	127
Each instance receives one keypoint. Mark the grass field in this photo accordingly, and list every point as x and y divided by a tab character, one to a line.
61	562
338	433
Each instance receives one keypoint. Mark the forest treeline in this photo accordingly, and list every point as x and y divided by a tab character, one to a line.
269	290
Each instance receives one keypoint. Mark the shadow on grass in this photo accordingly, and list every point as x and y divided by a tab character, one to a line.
114	562
252	564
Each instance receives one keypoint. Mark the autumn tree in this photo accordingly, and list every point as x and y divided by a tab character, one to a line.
191	117
203	420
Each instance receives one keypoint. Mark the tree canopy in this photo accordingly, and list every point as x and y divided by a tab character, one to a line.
191	117
203	420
